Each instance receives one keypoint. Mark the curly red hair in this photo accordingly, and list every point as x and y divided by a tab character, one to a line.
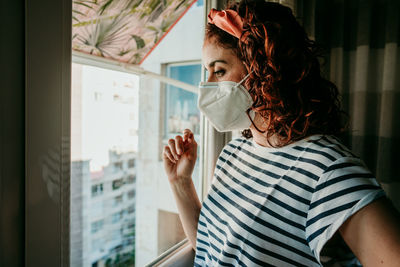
289	92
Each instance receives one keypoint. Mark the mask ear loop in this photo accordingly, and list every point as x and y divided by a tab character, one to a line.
252	122
245	77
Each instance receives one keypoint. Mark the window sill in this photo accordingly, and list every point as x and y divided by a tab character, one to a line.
182	254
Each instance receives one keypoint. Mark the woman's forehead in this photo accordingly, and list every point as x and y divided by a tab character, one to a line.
212	52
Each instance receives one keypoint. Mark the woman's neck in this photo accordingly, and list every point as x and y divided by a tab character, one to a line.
259	137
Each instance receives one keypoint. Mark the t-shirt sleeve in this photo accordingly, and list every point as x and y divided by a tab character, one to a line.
345	187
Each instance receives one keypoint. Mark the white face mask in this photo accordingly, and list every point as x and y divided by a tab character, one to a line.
225	104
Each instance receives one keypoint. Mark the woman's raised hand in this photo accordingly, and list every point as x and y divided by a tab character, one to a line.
180	155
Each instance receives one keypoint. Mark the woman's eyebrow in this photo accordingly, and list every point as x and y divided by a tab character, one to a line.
212	63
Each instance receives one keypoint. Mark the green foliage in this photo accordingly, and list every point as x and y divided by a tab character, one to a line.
105	6
77	3
139	41
126	260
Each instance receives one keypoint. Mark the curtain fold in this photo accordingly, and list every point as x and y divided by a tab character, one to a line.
362	38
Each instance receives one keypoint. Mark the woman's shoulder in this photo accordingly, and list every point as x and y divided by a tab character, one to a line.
239	142
322	150
328	145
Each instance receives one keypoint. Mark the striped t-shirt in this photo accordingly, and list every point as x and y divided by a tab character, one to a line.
279	206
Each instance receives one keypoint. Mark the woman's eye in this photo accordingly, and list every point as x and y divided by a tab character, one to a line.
219	73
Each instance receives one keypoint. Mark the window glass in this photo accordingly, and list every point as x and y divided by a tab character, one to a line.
122	210
131	163
181	106
117	200
97	190
165	111
131	179
117	184
104	135
96	226
181	110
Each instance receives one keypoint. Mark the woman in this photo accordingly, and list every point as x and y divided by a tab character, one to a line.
287	192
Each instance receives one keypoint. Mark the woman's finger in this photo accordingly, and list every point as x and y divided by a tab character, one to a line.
179	144
186	134
171	143
168	155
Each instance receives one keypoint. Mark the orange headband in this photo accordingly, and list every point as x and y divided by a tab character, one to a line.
227	20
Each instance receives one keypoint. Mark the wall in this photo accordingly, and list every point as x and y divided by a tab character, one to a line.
182	43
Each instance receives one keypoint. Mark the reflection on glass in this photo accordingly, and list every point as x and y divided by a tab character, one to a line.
181	105
181	110
103	166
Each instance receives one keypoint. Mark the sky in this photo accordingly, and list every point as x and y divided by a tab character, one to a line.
104	113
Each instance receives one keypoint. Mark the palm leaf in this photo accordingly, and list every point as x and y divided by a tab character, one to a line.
105	6
82	4
179	5
139	41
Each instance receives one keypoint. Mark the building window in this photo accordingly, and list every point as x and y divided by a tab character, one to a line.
117	200
131	194
97	96
131	179
97	190
97	226
131	209
116	217
131	163
118	166
117	184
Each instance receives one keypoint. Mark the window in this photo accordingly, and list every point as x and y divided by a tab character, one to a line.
117	200
116	217
131	209
131	163
181	110
181	106
118	166
97	96
97	226
102	145
117	184
98	127
131	179
131	194
97	190
120	122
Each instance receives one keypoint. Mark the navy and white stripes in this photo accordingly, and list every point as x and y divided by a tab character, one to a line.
279	206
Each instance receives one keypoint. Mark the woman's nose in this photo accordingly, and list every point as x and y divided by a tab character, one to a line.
211	78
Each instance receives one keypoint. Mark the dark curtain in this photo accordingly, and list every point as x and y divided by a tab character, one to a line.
362	38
